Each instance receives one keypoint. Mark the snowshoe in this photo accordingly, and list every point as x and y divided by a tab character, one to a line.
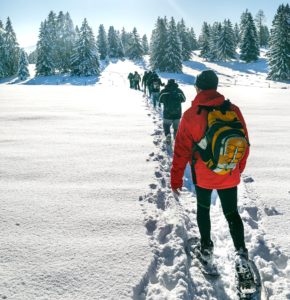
248	285
202	257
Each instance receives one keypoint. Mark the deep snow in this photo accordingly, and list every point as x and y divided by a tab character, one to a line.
73	164
80	163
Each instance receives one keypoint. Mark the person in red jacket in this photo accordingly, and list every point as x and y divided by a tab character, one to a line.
191	130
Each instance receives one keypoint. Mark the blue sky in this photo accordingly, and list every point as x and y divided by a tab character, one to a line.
26	15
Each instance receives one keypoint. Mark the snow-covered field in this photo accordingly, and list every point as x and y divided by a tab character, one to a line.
86	208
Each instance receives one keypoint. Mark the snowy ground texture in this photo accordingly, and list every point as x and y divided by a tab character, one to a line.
86	208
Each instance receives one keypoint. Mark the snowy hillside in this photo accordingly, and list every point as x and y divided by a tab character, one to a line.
87	211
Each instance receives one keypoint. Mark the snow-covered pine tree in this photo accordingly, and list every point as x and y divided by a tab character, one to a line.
23	72
279	52
65	42
225	46
173	55
32	57
11	50
184	39
145	44
243	23
69	36
136	50
262	30
120	49
158	46
265	36
77	30
85	60
249	48
44	63
51	36
102	42
2	54
237	35
116	49
59	45
204	41
193	40
126	39
214	37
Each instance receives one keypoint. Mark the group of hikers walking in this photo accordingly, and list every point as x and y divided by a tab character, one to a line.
134	79
171	97
211	136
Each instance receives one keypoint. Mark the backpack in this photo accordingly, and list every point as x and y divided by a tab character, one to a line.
224	143
156	84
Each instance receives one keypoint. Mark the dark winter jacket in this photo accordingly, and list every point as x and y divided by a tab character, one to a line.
144	78
191	129
136	77
171	97
131	76
154	82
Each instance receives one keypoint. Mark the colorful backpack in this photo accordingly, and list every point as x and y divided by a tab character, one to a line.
224	143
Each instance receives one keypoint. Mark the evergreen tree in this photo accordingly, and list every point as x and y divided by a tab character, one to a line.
237	35
158	45
102	42
226	43
2	53
214	37
44	63
77	30
249	39
173	55
204	41
265	36
184	39
59	43
127	40
65	42
85	60
11	50
120	49
279	52
243	22
23	72
145	44
69	37
193	41
32	57
52	37
116	49
136	50
262	30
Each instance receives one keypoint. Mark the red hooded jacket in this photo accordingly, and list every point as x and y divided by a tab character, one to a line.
191	129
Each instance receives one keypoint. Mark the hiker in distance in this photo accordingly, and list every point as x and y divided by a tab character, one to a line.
208	172
136	81
154	84
171	97
131	80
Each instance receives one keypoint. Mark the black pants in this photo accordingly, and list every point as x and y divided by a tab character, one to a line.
229	199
